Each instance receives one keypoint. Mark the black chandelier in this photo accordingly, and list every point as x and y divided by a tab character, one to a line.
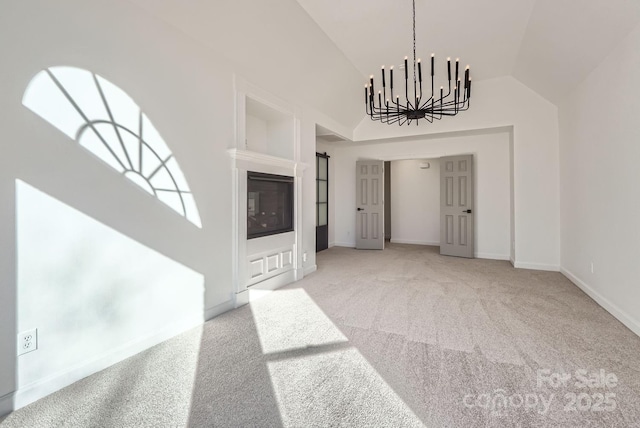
416	107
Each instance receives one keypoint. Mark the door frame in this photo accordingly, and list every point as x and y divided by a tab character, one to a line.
322	231
417	154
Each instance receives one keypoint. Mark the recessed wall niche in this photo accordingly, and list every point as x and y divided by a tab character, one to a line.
268	131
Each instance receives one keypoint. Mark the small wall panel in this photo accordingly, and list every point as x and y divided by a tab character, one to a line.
256	268
287	258
273	262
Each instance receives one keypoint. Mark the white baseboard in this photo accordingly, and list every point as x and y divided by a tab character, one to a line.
263	288
345	244
490	256
275	282
39	389
536	266
310	269
631	323
6	404
332	244
414	242
218	309
241	298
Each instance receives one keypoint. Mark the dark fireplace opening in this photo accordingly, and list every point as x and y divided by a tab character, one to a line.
269	204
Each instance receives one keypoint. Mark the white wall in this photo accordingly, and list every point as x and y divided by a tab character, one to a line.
492	178
506	102
186	87
90	291
415	202
599	153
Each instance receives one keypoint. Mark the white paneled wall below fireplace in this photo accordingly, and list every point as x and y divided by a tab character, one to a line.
269	256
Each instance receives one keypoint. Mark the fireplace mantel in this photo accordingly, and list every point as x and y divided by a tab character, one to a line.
247	159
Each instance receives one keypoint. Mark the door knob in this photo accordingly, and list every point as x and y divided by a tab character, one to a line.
467	211
360	209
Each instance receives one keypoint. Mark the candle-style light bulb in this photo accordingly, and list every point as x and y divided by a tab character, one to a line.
433	57
406	68
466	76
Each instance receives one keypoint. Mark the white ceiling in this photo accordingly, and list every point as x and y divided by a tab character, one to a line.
550	45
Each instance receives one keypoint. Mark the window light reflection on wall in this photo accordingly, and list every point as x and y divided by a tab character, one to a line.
103	119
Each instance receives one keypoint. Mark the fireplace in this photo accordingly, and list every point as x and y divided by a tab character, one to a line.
269	204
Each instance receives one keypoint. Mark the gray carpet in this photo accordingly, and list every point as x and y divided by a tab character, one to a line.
402	337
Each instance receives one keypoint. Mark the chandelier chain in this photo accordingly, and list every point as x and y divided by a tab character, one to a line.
414	41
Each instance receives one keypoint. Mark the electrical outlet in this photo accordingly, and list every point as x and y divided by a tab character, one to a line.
591	266
304	256
27	341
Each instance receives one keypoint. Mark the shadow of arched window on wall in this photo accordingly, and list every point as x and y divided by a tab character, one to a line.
103	119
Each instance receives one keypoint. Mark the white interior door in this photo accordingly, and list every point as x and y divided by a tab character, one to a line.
456	206
369	205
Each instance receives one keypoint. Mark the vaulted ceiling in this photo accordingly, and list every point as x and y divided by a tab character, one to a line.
549	45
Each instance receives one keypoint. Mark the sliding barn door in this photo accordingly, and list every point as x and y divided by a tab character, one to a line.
369	205
456	206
